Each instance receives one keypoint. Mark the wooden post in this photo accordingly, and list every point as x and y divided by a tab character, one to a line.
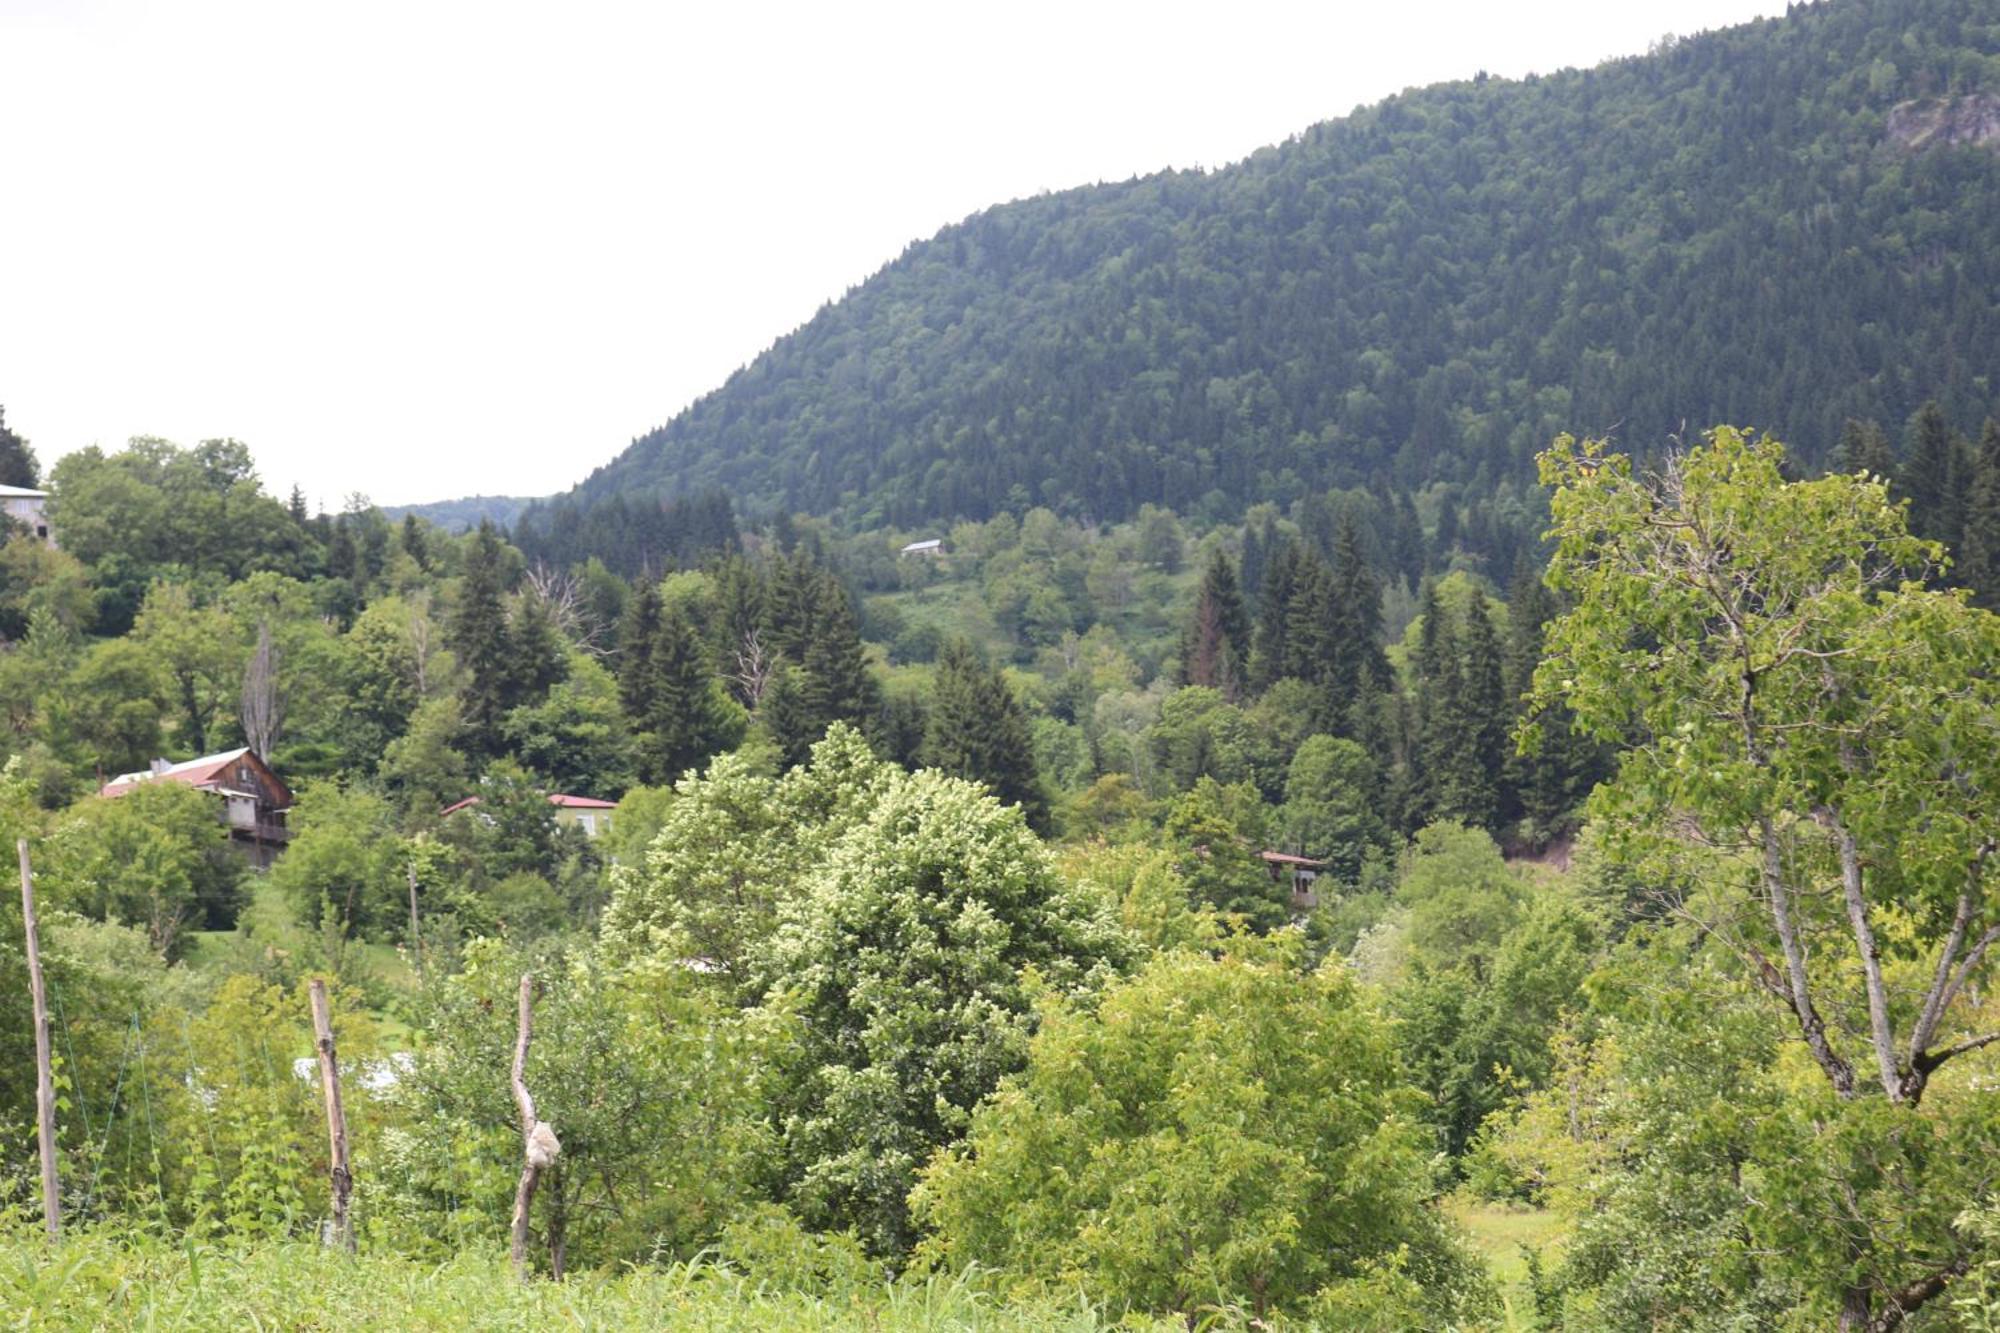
45	1085
416	935
538	1141
342	1233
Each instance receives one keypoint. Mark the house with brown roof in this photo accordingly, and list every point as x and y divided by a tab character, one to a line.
254	799
1302	871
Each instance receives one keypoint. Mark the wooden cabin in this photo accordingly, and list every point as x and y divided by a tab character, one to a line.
254	800
1302	871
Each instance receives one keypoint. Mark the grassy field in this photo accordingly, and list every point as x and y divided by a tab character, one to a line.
117	1280
1500	1234
99	1282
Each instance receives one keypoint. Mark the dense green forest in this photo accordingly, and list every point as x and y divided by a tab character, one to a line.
925	938
1723	229
904	844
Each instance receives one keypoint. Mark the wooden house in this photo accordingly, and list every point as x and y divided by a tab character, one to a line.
253	798
1301	871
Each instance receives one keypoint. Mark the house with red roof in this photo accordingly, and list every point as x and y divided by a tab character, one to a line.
254	800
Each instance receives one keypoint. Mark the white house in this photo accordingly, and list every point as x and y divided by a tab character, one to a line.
27	508
933	546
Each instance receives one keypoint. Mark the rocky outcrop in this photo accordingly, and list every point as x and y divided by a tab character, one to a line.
1935	122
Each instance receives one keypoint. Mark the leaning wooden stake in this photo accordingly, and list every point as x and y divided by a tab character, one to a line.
416	932
45	1084
342	1232
538	1141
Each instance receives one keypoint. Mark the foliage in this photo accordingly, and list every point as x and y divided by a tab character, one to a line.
654	1160
1210	1132
1798	705
910	954
157	857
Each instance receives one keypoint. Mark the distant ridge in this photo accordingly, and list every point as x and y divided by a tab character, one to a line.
1723	229
463	515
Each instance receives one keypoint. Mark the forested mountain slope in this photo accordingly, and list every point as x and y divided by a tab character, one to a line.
1739	226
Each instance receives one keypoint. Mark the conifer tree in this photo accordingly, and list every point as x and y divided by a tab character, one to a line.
1864	448
414	543
1930	473
480	639
791	600
1470	788
786	718
977	730
1431	743
1353	615
1309	632
838	686
1217	637
1274	610
635	651
1979	549
537	652
684	722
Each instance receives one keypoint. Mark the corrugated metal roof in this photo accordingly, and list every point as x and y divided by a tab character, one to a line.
194	772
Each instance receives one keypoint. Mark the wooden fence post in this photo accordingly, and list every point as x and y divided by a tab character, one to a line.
45	1086
342	1233
538	1140
416	931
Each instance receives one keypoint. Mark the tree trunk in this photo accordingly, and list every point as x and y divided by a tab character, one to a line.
342	1231
538	1142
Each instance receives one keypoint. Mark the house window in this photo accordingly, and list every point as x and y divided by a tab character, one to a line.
589	823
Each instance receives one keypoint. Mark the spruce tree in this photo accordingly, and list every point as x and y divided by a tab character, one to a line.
538	652
1309	625
1979	548
414	544
684	722
786	717
635	652
1471	786
479	637
838	685
1928	472
1356	662
1217	636
1864	448
1274	610
1432	746
976	730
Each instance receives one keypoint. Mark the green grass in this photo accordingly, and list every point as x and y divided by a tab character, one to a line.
105	1281
1498	1233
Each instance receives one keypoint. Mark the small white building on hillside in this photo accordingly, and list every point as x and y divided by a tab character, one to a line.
26	507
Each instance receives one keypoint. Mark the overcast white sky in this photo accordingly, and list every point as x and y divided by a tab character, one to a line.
422	250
